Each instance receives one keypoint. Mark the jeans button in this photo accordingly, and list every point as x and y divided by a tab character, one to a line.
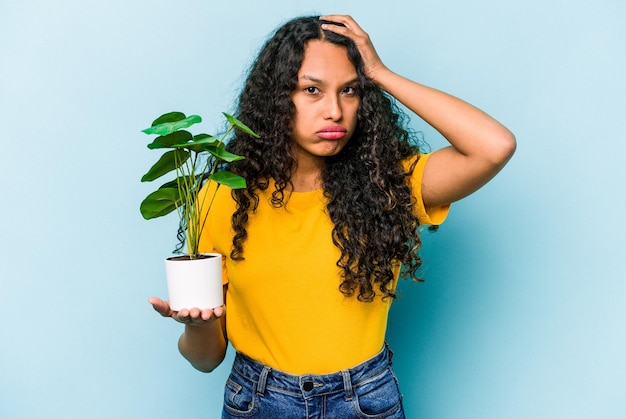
307	385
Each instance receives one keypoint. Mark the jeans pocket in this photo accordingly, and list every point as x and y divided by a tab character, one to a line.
240	399
379	397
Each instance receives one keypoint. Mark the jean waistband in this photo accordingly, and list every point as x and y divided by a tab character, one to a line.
310	385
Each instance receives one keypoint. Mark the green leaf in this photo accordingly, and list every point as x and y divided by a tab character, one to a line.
159	203
166	128
204	139
240	125
229	179
198	143
169	117
169	161
167	141
221	153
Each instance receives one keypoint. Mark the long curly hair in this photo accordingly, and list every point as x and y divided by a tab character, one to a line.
369	201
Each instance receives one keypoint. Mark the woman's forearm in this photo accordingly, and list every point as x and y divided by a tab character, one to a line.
204	346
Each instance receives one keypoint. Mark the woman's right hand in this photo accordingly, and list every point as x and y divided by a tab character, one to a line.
190	317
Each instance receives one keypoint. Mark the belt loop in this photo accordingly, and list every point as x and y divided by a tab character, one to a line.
389	352
347	384
262	380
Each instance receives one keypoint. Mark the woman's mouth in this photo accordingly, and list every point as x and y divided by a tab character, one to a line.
333	132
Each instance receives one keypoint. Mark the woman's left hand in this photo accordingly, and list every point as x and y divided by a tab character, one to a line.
372	63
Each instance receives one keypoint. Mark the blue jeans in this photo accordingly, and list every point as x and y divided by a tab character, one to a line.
369	390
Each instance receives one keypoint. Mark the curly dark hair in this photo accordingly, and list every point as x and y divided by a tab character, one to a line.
369	200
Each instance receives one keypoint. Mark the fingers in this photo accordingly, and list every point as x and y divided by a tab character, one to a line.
350	28
219	311
345	20
196	317
160	306
189	316
372	64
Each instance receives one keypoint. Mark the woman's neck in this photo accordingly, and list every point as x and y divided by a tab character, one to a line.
308	175
306	182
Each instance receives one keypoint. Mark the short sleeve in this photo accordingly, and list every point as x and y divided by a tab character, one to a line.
430	215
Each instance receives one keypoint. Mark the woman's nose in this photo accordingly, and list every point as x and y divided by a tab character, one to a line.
333	108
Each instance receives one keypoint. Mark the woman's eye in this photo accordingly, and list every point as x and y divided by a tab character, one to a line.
312	90
349	91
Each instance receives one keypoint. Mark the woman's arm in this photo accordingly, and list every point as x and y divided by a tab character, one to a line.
480	146
203	343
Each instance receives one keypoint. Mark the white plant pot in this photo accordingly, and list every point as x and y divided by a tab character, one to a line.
195	282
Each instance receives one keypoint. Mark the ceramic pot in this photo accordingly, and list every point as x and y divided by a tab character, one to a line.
195	282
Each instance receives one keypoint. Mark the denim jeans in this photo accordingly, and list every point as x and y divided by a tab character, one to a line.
369	390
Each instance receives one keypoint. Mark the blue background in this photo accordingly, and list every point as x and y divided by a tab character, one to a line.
522	314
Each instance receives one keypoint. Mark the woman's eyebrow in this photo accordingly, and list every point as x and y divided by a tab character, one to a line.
310	78
317	80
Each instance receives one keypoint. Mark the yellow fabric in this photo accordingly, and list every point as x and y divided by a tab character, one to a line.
284	307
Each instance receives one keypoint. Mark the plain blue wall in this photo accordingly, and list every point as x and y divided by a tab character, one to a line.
522	314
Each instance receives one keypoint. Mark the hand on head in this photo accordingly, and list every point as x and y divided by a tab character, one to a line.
372	63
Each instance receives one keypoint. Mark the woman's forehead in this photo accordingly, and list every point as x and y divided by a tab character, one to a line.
324	60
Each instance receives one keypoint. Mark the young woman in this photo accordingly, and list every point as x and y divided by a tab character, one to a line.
336	193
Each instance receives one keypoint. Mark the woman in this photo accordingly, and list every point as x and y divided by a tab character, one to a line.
336	193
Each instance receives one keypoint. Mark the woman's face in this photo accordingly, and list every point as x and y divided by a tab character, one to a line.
326	102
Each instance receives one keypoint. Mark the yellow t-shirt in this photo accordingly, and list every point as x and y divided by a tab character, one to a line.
284	307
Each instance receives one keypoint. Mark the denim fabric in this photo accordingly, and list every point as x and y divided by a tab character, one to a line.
369	390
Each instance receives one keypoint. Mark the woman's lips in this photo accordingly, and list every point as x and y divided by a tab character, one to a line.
332	132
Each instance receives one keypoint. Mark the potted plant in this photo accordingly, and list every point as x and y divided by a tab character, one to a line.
194	279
